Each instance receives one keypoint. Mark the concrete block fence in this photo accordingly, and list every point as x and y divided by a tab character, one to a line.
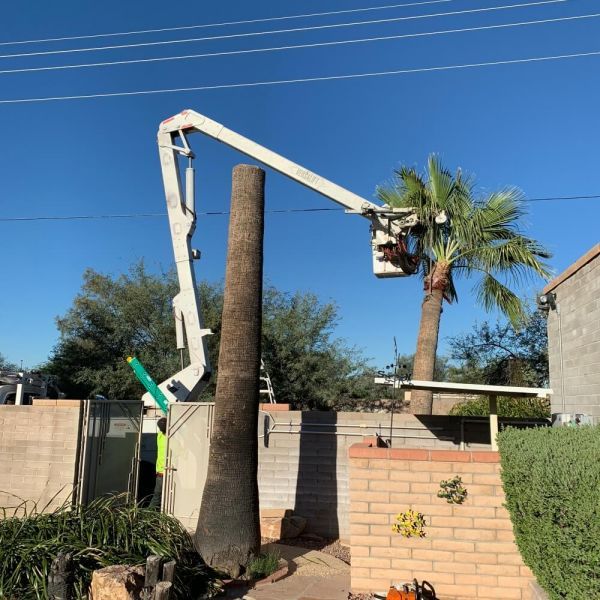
303	461
38	452
469	549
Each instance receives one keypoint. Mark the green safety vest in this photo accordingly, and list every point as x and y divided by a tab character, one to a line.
161	451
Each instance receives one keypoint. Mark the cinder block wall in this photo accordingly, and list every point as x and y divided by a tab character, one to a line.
38	452
469	549
309	473
578	297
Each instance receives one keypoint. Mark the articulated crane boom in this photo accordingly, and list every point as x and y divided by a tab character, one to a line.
388	228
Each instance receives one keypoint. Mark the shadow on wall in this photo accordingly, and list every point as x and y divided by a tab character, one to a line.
317	485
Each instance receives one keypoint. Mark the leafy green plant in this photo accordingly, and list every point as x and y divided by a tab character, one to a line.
453	490
410	523
106	532
551	479
263	565
516	408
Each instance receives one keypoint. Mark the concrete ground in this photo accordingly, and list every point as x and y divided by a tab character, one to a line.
312	575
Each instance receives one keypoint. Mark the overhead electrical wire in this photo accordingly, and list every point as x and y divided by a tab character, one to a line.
222	86
225	212
301	46
223	23
279	31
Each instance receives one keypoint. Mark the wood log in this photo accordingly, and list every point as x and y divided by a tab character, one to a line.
162	591
168	571
152	571
60	579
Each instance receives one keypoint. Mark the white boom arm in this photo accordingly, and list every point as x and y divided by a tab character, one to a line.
388	226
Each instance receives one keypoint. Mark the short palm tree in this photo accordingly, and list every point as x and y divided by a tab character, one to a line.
479	238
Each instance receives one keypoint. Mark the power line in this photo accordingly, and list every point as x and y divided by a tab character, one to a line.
302	46
223	24
305	80
218	213
144	215
278	31
557	198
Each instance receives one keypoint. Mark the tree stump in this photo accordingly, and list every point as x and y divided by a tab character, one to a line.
60	580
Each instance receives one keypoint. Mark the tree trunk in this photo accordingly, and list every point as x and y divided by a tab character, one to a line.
421	401
228	531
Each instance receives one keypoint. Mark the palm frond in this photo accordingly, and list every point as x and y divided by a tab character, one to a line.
451	293
518	256
442	184
479	237
491	294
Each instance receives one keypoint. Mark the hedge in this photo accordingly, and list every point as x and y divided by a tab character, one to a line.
517	408
551	479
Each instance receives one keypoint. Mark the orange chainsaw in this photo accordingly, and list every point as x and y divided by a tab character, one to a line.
413	591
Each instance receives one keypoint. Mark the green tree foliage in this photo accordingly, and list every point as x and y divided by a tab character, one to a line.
551	479
517	408
502	355
307	365
441	372
114	317
6	365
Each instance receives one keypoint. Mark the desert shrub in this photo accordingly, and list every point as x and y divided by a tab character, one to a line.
551	479
517	408
263	565
106	532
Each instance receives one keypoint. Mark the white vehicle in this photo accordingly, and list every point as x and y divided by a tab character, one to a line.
389	227
20	387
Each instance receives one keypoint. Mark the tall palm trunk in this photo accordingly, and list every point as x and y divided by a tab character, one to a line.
228	531
421	402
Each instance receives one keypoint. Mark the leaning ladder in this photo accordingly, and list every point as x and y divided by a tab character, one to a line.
266	387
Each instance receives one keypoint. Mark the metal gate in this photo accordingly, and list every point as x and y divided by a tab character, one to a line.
189	427
109	448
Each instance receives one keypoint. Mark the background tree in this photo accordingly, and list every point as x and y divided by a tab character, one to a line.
499	354
479	238
114	317
6	365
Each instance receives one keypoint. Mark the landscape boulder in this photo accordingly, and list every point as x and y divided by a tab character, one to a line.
280	523
117	582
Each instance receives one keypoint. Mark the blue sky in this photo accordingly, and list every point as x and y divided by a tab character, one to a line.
533	125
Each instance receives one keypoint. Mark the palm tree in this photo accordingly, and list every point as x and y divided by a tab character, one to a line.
228	531
479	238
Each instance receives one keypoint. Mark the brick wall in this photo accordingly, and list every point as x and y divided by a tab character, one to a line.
469	549
309	473
38	452
578	297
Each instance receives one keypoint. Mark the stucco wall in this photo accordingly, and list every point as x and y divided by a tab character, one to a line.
575	380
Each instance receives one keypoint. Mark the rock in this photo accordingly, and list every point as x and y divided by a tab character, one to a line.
292	527
284	525
117	582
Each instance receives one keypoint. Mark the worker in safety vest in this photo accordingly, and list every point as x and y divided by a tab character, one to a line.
161	459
